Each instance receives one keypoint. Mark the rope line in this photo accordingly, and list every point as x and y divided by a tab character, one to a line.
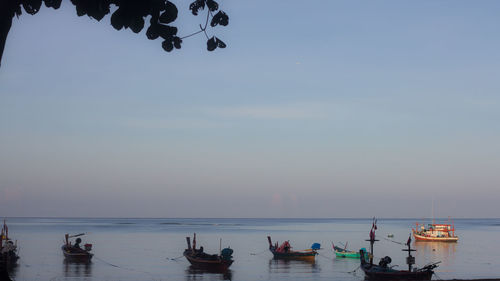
176	258
354	271
259	253
404	244
124	268
327	257
437	276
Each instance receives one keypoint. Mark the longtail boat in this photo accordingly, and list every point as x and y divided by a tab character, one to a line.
344	253
73	252
8	249
199	259
435	232
285	251
383	271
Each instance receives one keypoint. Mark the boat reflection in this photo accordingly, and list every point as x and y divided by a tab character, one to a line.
12	271
194	273
77	269
293	266
436	251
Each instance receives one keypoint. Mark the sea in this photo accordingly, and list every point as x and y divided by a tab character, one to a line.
151	249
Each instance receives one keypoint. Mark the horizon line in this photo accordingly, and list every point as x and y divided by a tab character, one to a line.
290	218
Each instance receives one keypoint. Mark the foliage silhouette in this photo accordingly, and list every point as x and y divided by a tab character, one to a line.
129	14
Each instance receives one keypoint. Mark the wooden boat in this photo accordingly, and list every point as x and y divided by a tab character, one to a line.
199	259
435	232
344	253
8	249
73	252
383	271
285	251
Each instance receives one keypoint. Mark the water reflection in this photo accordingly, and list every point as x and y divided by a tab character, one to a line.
77	269
13	270
436	251
285	266
193	273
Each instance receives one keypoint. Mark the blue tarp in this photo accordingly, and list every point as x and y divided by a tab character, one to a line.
316	246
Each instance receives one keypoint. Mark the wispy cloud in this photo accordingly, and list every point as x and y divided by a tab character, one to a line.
309	110
212	117
173	124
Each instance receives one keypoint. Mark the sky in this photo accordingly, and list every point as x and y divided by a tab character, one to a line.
324	109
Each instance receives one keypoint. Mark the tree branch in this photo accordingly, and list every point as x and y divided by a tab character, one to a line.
6	16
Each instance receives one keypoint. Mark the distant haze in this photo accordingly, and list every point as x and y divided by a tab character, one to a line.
315	109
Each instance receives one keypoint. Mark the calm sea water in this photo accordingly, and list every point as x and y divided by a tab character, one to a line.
149	249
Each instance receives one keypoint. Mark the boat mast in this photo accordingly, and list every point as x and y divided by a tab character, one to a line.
372	239
410	260
1	238
433	220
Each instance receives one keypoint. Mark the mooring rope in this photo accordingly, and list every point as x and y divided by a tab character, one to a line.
437	276
324	256
354	271
400	243
124	268
259	253
176	258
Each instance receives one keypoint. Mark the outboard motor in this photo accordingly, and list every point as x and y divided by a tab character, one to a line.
226	254
385	261
88	247
316	246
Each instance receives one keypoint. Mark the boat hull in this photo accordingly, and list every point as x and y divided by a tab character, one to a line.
310	256
376	272
419	237
343	253
215	265
72	256
397	275
349	255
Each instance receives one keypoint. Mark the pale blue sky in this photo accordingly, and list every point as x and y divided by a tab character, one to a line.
311	110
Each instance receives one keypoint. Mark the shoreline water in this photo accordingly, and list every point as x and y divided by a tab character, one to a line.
142	248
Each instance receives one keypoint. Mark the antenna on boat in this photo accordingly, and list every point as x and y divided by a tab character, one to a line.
1	238
188	240
433	220
372	239
410	260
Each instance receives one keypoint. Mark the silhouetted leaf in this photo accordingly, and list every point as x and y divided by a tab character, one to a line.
98	10
53	4
157	5
196	6
170	13
117	20
220	44
177	42
167	45
212	5
166	32
137	24
152	32
32	6
80	9
18	11
220	18
130	13
211	44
